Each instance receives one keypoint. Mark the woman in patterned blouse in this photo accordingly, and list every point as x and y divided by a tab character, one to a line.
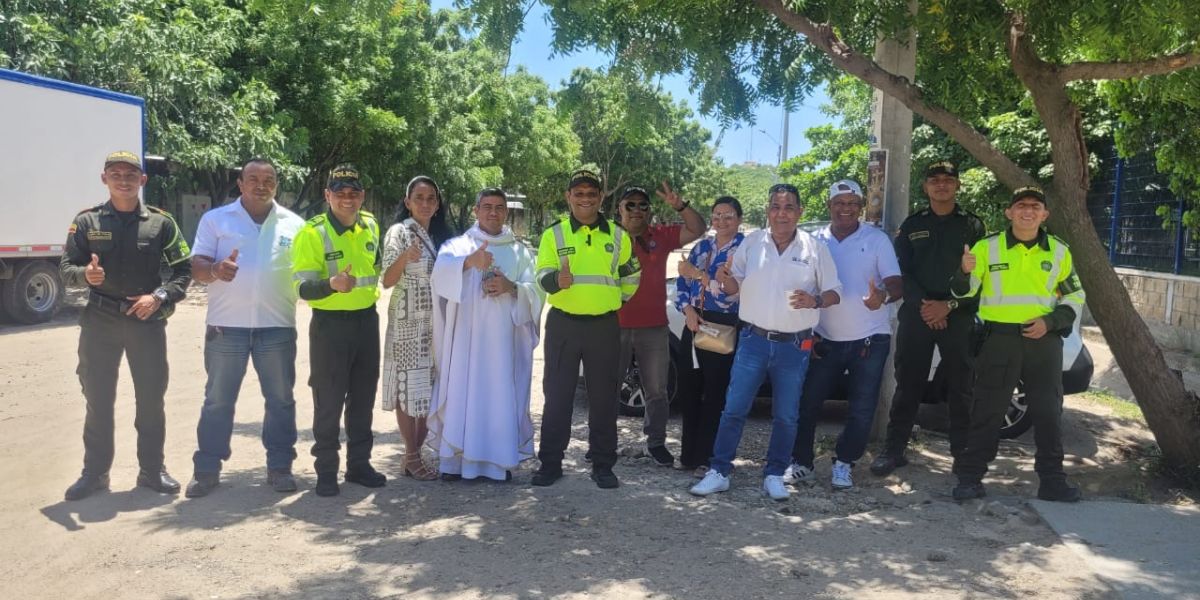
704	375
409	249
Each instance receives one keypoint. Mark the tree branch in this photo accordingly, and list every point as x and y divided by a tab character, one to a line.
1126	70
822	36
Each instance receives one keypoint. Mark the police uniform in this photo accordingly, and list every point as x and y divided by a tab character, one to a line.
141	252
582	326
1018	282
343	335
929	249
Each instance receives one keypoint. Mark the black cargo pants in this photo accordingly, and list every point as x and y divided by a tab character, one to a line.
344	375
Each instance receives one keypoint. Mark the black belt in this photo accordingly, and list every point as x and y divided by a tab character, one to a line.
778	336
576	317
106	303
1006	328
344	314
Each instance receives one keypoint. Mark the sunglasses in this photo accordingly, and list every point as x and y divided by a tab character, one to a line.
642	206
784	187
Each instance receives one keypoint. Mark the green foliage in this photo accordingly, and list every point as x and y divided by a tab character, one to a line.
749	184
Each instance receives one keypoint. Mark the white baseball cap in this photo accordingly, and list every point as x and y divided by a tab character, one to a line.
845	186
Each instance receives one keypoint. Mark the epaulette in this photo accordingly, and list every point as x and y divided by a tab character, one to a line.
1059	240
155	209
991	235
554	223
920	213
90	209
366	213
317	220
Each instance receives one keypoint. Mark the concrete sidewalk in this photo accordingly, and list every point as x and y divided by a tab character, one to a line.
1141	550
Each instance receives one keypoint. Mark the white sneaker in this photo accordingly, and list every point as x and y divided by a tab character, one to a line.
798	474
841	476
712	483
774	488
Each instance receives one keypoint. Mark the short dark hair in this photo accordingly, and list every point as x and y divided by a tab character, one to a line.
258	160
731	201
491	191
783	187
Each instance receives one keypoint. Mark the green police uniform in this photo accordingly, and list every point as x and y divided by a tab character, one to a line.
582	326
1018	282
141	252
343	334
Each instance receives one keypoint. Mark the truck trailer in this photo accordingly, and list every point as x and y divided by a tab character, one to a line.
54	136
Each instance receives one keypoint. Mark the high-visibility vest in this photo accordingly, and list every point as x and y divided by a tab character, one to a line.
1017	284
319	253
604	270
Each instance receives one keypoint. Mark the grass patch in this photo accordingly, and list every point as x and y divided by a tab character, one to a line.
1121	408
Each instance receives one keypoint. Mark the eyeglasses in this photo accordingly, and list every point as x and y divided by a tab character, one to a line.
642	206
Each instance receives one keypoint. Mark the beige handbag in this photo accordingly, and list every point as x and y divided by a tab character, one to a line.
713	337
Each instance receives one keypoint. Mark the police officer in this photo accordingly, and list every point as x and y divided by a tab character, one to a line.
1029	296
120	250
335	265
587	267
928	248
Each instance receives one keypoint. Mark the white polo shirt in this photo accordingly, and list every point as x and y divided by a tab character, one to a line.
262	294
865	255
767	278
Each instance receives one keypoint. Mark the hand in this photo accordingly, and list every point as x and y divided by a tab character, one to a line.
934	310
938	325
688	271
1034	329
669	196
692	317
479	259
143	306
725	273
968	260
411	254
564	277
498	285
875	297
227	269
343	281
803	299
94	273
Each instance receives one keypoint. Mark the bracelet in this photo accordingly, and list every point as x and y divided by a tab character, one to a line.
682	207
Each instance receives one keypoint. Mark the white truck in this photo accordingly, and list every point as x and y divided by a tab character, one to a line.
54	136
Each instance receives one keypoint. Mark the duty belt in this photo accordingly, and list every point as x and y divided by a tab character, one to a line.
778	336
1005	328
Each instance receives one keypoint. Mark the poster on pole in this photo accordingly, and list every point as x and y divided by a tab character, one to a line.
876	185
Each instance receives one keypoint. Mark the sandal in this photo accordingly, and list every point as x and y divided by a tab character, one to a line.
422	472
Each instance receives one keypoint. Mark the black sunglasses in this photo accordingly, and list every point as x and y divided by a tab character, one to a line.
642	206
784	187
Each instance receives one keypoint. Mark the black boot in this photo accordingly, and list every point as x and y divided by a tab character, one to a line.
87	485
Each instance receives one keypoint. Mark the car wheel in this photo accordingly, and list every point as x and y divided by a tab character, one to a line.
1016	418
633	396
34	293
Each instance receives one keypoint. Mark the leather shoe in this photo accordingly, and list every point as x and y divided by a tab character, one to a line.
546	476
281	481
605	479
968	490
87	485
451	477
884	464
1058	490
366	476
327	484
160	481
201	484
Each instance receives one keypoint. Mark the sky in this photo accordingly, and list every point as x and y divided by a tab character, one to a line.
741	143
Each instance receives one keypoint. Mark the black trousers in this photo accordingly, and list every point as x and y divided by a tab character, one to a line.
344	374
105	334
596	341
701	394
915	342
1004	359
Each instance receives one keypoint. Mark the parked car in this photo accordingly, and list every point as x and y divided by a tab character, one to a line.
1077	375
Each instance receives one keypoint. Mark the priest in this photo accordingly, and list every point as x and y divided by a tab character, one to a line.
486	326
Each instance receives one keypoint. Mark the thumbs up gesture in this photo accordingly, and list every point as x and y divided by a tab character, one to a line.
564	276
480	259
227	269
343	281
968	260
875	296
725	273
94	273
411	254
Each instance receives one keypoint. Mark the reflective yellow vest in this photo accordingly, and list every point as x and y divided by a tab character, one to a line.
318	252
1017	284
602	264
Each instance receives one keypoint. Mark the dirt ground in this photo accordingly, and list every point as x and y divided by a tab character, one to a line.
894	537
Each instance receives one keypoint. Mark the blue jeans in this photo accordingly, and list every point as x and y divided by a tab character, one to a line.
757	357
864	360
226	351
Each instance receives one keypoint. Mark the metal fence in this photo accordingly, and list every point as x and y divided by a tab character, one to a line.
1124	203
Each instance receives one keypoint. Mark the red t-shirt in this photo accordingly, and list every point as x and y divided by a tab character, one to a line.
648	306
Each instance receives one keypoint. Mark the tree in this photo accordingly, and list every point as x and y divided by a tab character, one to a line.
972	57
749	184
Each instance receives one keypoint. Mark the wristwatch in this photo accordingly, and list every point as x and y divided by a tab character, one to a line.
952	303
819	302
161	295
686	203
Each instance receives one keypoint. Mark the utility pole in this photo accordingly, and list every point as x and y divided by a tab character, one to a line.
891	131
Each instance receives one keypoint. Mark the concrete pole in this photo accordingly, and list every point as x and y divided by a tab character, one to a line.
891	130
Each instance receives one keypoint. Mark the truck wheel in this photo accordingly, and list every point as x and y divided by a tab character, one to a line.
1016	418
34	293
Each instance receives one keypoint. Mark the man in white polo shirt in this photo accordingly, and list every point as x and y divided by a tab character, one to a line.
243	252
784	276
855	336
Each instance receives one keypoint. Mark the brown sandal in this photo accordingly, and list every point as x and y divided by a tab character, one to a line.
422	472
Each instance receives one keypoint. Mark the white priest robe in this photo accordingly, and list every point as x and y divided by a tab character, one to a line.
479	421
